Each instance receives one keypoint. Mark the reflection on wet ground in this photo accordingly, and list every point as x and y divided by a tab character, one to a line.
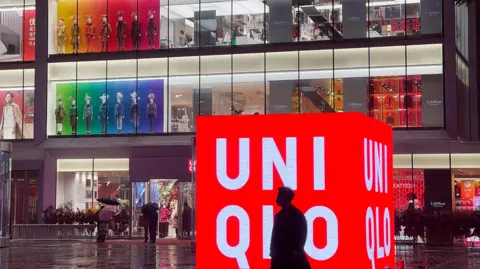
125	254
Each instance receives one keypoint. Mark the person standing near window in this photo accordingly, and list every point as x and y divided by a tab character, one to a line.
11	124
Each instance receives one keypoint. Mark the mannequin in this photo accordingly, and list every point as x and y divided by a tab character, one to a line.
75	35
103	116
134	115
88	114
151	111
61	36
172	228
59	116
105	30
119	112
135	31
90	32
121	32
73	115
151	30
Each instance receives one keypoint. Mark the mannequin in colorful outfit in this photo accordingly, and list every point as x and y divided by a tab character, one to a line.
59	115
119	112
75	35
88	114
105	30
134	115
151	111
135	31
151	30
11	124
61	36
73	115
121	31
103	116
90	32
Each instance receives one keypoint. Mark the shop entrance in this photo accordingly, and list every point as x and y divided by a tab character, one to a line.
175	200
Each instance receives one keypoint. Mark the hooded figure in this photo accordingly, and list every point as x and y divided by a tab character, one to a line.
105	30
73	115
90	32
59	115
121	32
151	110
61	36
135	31
134	115
289	235
103	116
119	112
75	35
88	114
151	30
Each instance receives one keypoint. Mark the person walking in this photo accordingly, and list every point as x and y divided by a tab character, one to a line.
289	234
150	217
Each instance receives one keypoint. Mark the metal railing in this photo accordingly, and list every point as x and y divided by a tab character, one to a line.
53	231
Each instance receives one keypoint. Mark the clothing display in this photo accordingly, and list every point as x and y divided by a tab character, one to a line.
75	35
151	111
90	32
151	30
60	116
105	30
73	114
61	36
88	114
135	31
134	113
119	112
121	32
102	115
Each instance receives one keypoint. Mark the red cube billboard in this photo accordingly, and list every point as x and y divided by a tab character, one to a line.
339	166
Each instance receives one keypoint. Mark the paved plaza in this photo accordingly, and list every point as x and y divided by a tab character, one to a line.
133	254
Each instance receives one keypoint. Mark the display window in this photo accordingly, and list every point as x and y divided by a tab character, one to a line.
160	95
17	30
17	104
84	26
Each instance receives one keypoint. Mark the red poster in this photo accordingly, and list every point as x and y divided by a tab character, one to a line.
468	189
29	36
342	179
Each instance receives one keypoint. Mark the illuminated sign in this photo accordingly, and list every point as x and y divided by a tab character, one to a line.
191	165
338	164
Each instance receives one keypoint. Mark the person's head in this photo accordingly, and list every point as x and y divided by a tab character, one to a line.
285	196
60	21
89	20
135	17
9	97
182	32
256	113
104	19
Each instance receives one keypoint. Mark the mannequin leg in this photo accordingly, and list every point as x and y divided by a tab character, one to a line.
150	119
87	125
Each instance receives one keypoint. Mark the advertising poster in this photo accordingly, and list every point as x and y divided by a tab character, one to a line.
124	89
66	9
10	35
24	99
250	157
29	36
468	190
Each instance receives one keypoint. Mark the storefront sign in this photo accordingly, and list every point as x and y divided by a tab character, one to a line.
354	18
281	101
191	165
431	15
280	24
432	100
29	35
355	95
242	164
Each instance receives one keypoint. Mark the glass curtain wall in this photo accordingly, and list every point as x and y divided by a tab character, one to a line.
92	26
5	185
400	85
17	30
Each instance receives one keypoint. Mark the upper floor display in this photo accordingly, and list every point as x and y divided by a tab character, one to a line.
17	30
88	26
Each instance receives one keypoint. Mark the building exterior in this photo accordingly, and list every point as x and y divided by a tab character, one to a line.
108	91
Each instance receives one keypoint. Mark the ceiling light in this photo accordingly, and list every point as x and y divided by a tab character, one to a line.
18	8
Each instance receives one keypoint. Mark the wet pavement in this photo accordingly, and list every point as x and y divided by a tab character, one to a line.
128	254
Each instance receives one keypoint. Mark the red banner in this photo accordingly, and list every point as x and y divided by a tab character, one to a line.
29	35
339	166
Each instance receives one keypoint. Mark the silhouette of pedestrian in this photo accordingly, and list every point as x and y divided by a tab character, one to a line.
289	234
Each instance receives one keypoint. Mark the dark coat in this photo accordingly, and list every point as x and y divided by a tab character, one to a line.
289	235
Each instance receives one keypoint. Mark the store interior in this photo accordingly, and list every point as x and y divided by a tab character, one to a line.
206	23
81	181
404	91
